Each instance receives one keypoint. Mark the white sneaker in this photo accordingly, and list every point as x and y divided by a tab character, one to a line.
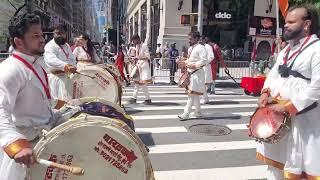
184	116
204	101
197	114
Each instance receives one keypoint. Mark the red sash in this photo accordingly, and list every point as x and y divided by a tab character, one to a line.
45	86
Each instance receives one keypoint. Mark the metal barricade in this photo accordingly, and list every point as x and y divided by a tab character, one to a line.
4	56
239	69
109	60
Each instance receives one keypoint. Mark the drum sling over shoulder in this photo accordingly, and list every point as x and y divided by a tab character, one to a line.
286	71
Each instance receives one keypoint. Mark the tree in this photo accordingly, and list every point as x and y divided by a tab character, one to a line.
314	3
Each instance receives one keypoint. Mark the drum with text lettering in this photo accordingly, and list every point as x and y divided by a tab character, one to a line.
94	81
105	147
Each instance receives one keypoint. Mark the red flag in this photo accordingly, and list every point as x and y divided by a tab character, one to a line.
283	6
254	51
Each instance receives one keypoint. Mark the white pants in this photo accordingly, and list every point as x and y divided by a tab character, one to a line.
274	173
144	90
193	100
212	86
205	94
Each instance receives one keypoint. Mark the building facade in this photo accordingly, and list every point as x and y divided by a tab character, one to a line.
78	17
158	21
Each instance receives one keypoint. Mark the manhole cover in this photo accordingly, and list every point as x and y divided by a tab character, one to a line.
210	129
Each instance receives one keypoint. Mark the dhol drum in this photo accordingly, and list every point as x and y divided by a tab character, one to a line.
106	148
98	107
184	80
268	126
93	81
112	69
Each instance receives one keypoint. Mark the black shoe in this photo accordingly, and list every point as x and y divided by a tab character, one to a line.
147	102
127	83
173	83
132	101
212	92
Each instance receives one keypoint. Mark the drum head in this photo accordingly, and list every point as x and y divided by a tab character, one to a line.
265	123
101	107
99	84
112	68
105	148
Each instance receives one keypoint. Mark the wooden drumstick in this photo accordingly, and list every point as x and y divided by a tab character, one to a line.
72	169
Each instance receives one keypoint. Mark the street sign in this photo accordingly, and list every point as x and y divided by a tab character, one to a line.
189	19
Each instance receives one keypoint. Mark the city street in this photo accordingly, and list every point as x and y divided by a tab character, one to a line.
178	154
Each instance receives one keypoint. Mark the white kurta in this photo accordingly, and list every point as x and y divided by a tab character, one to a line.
24	109
299	151
197	56
84	58
143	65
207	68
56	59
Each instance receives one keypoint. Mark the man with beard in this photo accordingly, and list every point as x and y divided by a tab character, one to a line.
294	82
59	61
197	58
25	101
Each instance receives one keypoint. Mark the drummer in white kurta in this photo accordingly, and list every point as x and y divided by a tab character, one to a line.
59	61
197	59
298	153
207	68
86	53
142	63
25	101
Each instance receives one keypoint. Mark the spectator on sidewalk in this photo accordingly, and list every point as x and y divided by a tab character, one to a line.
173	55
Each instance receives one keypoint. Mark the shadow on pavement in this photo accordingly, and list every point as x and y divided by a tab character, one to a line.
146	138
222	102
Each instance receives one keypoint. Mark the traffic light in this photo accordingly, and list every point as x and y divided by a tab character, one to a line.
189	19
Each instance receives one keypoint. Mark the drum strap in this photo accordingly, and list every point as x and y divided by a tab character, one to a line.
309	108
296	73
45	85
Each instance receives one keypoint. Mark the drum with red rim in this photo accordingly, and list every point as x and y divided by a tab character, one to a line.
268	126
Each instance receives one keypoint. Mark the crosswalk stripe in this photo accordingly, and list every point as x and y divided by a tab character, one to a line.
182	129
224	106
201	147
226	173
182	95
185	101
162	117
157	130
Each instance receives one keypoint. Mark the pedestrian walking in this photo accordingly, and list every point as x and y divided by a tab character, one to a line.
142	74
197	58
